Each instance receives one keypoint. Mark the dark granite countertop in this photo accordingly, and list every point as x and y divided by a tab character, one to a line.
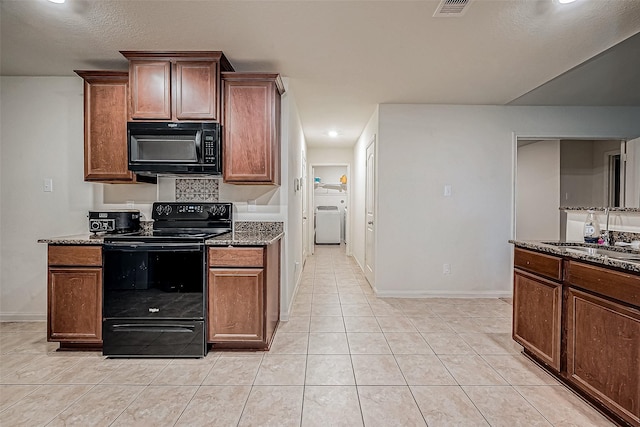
246	238
565	249
236	238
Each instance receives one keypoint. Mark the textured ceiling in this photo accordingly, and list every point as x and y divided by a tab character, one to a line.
344	57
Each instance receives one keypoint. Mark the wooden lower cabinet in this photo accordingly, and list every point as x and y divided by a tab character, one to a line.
235	305
603	352
537	308
243	296
75	305
74	295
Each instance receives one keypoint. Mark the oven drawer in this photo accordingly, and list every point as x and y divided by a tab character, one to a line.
139	338
236	257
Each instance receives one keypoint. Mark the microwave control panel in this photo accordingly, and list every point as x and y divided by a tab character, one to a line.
209	148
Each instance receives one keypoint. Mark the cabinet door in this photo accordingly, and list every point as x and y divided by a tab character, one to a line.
75	305
603	351
537	316
251	138
150	89
236	305
105	126
196	94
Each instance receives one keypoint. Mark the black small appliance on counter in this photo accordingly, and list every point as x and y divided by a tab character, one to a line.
107	221
154	286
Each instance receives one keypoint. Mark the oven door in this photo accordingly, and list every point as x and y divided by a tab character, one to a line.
145	281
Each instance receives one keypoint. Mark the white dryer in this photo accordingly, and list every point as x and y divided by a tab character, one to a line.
328	225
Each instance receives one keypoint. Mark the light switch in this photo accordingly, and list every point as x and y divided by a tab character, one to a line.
47	186
447	190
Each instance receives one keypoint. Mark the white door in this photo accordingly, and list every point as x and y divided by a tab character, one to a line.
305	209
632	174
369	249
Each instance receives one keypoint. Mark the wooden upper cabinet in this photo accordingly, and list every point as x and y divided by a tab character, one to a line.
175	86
105	126
251	123
196	90
150	89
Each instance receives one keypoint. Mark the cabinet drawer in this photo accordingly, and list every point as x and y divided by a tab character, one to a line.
236	257
624	287
75	255
542	264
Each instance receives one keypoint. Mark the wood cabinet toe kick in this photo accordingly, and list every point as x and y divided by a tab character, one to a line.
581	321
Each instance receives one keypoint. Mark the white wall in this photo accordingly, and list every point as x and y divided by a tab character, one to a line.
293	149
358	183
576	173
329	155
42	137
538	191
423	147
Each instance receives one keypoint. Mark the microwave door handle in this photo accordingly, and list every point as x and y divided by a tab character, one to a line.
199	145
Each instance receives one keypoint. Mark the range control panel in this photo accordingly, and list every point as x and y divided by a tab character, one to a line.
179	211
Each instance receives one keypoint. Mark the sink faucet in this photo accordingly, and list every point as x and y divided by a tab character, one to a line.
606	232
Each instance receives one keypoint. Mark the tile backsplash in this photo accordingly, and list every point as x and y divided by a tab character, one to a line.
197	190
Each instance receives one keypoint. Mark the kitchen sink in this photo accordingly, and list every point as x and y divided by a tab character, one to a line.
624	256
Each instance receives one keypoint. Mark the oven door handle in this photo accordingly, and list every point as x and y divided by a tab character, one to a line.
152	247
152	327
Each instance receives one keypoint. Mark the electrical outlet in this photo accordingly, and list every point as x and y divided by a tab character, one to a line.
251	205
446	268
47	185
447	190
130	204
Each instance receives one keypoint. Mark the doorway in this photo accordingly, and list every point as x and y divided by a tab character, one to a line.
329	185
370	203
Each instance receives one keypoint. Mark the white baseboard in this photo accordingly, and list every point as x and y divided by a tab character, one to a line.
22	317
443	294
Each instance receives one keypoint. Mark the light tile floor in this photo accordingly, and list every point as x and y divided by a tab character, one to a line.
345	358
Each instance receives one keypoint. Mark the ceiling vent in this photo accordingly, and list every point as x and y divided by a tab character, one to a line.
451	8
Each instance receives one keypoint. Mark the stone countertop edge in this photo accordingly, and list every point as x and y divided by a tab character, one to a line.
599	209
76	239
558	249
245	238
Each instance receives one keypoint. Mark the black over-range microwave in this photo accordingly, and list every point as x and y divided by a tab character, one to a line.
174	148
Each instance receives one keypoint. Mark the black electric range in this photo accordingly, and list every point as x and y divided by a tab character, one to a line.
154	293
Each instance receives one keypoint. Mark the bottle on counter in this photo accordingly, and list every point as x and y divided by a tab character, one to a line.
591	228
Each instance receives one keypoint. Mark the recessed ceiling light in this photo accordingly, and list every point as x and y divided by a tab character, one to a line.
57	1
565	1
333	134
